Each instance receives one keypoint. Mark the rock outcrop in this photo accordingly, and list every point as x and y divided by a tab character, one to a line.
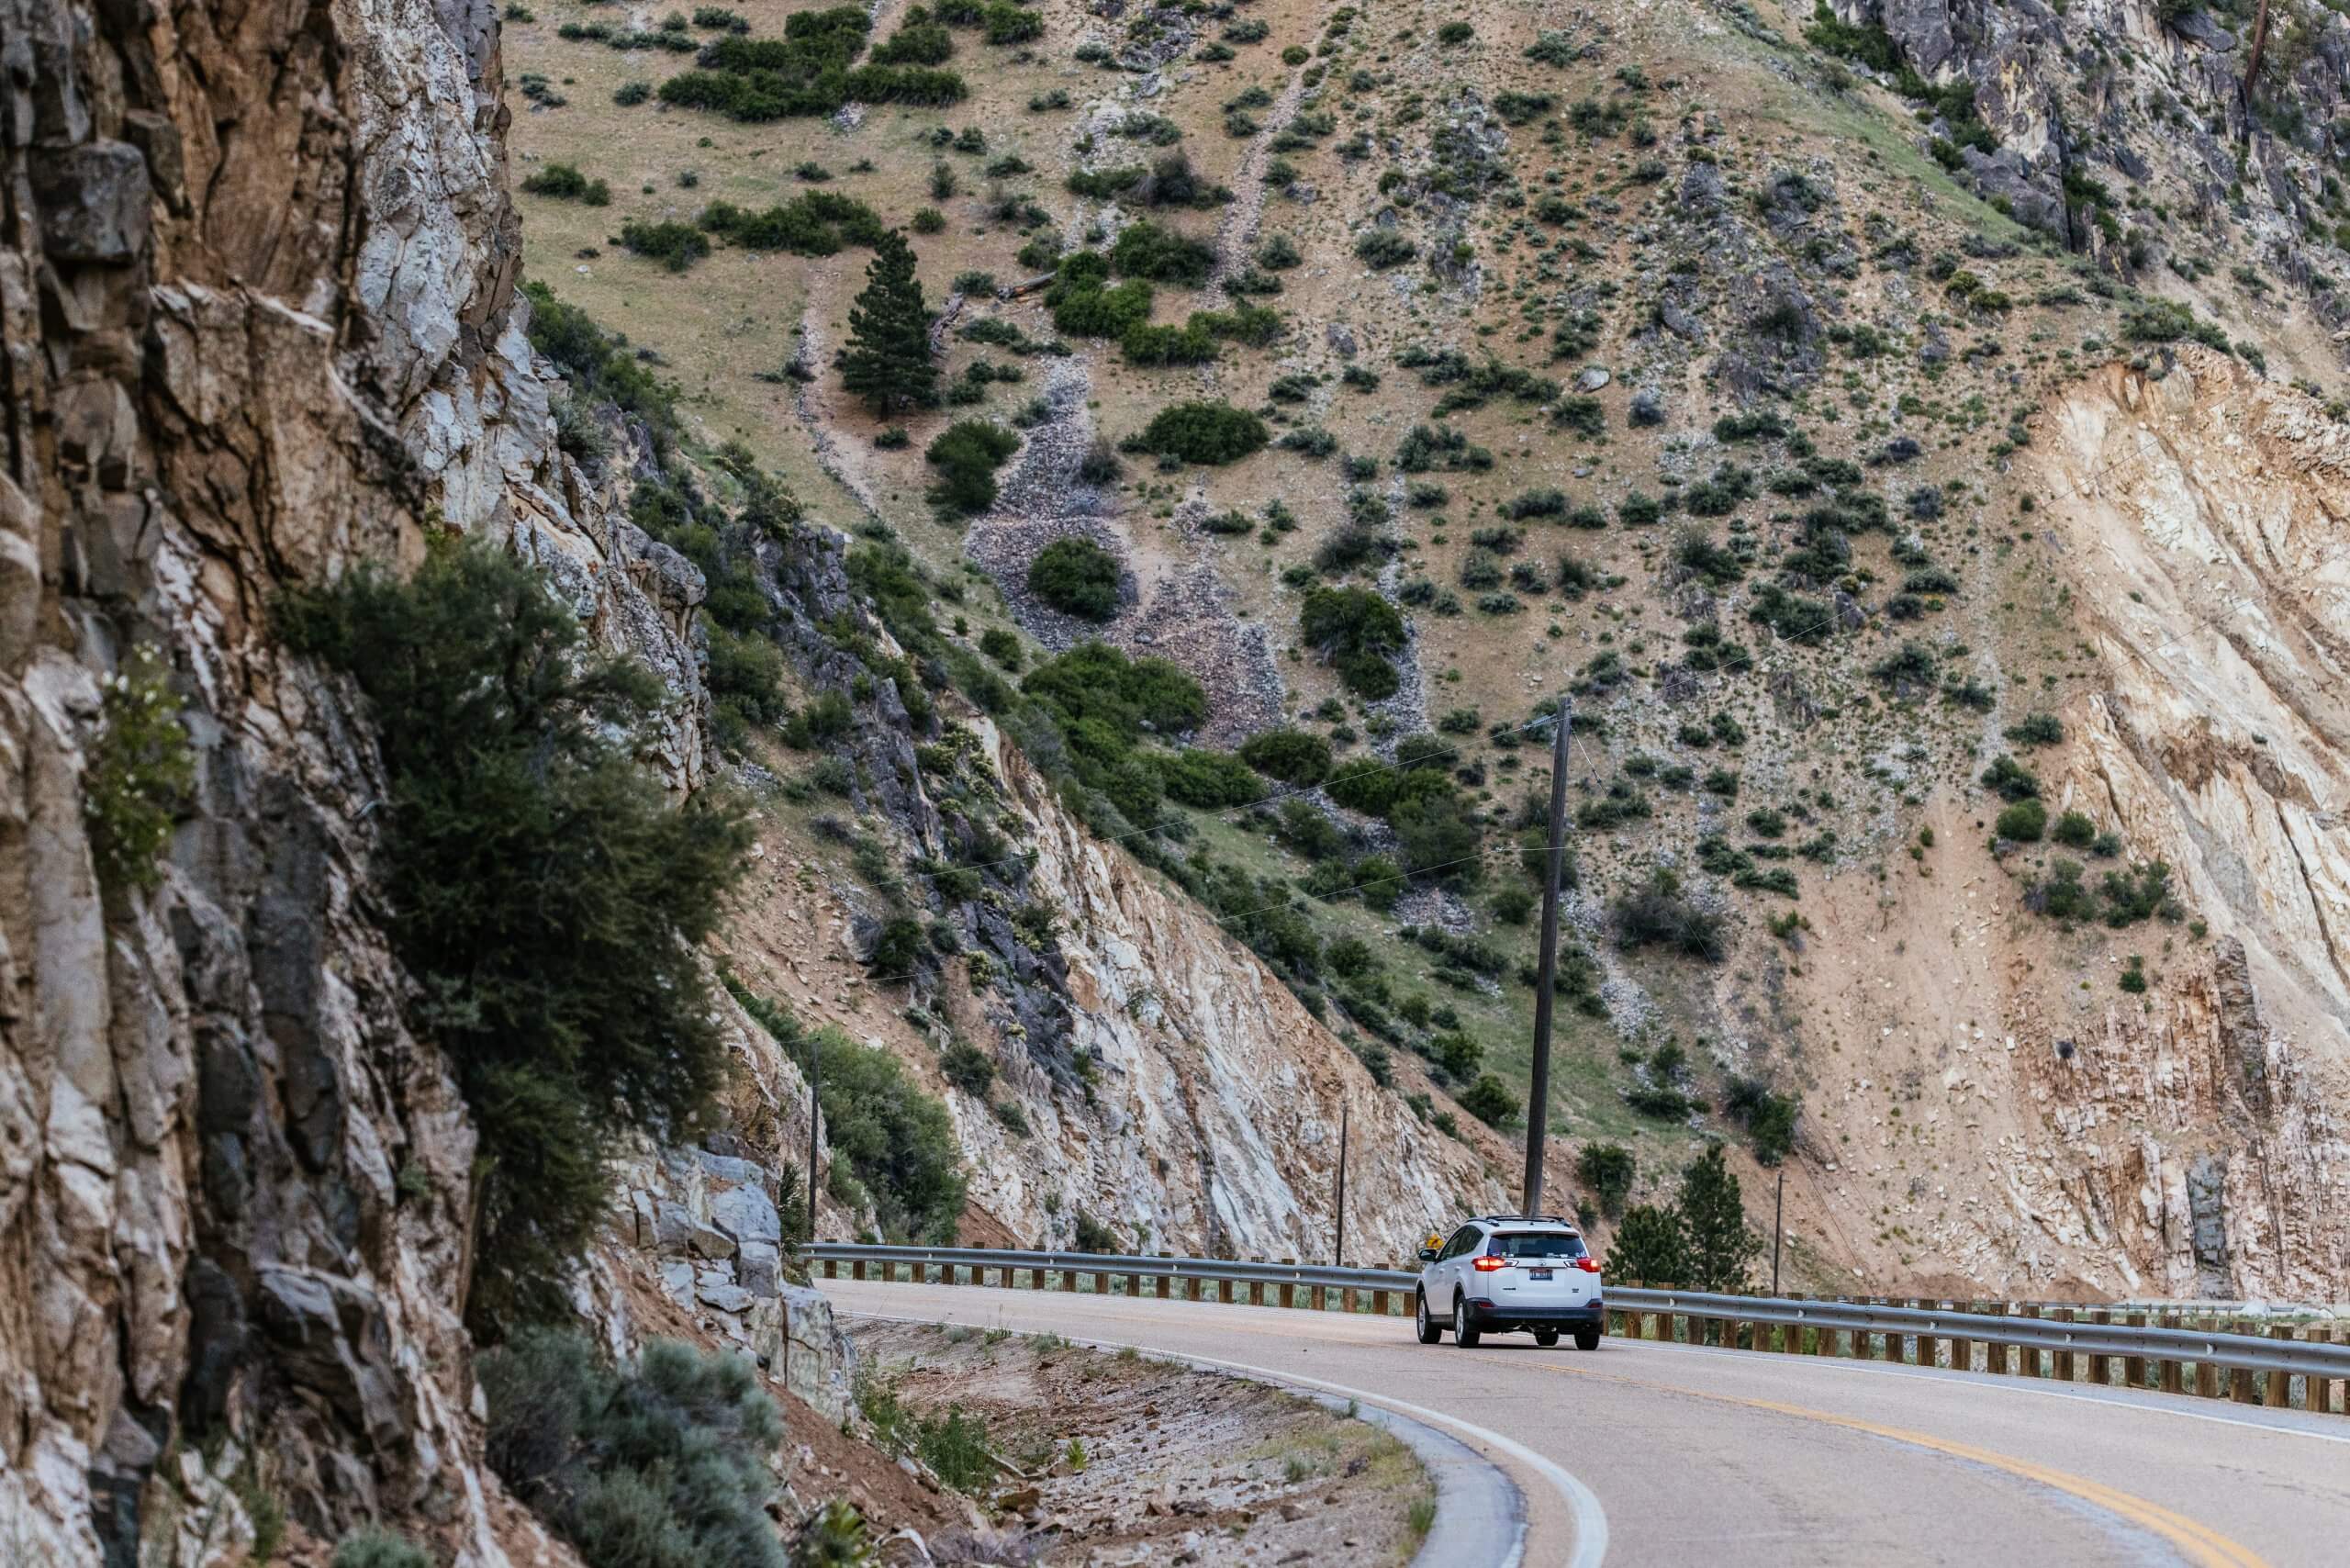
257	289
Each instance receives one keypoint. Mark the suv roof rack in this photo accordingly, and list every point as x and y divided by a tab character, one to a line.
1541	1219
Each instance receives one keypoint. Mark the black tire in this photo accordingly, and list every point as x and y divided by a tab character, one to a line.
1429	1329
1586	1338
1465	1334
1546	1337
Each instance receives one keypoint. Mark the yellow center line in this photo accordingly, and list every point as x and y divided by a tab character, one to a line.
2197	1543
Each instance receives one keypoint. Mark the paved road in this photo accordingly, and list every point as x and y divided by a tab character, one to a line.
1643	1453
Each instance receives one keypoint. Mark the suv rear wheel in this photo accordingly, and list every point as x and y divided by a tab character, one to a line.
1586	1338
1465	1334
1546	1337
1430	1329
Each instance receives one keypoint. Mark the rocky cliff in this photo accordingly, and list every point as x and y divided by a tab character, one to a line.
257	293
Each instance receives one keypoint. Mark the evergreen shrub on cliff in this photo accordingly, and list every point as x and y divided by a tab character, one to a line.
545	894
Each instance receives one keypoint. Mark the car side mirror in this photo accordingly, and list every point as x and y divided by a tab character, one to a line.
1428	1254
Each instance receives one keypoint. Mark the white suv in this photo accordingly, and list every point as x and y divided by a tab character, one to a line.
1500	1274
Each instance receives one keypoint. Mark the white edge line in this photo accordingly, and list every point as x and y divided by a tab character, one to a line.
1590	1519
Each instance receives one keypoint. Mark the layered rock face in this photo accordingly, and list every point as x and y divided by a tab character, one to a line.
1216	1122
257	298
2202	522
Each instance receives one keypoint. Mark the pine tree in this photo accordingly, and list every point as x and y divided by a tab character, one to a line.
1713	1225
1650	1247
888	359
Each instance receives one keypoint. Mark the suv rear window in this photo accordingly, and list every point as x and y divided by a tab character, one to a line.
1536	1243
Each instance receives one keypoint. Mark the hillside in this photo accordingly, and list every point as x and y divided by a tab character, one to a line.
1714	367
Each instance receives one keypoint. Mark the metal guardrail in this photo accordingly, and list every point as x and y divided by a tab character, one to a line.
1859	1321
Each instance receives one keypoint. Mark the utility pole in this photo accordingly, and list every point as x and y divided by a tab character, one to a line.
1778	1229
815	1112
1538	1097
1338	1257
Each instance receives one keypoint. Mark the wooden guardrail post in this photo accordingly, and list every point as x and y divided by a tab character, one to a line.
2065	1357
2102	1367
1962	1349
856	1268
1288	1288
2207	1375
2279	1396
1378	1303
2134	1368
2173	1372
2031	1353
2244	1388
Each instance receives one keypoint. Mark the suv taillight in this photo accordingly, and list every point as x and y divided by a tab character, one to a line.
1587	1263
1487	1264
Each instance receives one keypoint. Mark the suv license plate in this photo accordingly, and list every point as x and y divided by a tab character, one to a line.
1537	1273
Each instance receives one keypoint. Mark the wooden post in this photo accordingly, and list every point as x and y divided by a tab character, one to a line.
1162	1286
1289	1289
2063	1357
2207	1375
1378	1303
856	1268
2134	1368
832	1268
2102	1367
1317	1298
1069	1278
2281	1384
1101	1284
2031	1353
1350	1302
1223	1292
2173	1372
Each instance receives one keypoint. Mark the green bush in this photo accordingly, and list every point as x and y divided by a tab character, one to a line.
1076	576
1490	1101
967	1067
1293	756
1146	249
1607	1169
2037	730
966	454
676	246
2010	780
1212	780
2022	822
2074	829
137	770
661	1463
1769	1116
1355	630
371	1547
558	969
1095	681
1379	249
1210	433
566	183
1000	646
1658	914
898	1143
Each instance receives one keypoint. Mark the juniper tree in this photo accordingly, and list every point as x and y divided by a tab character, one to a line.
887	361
